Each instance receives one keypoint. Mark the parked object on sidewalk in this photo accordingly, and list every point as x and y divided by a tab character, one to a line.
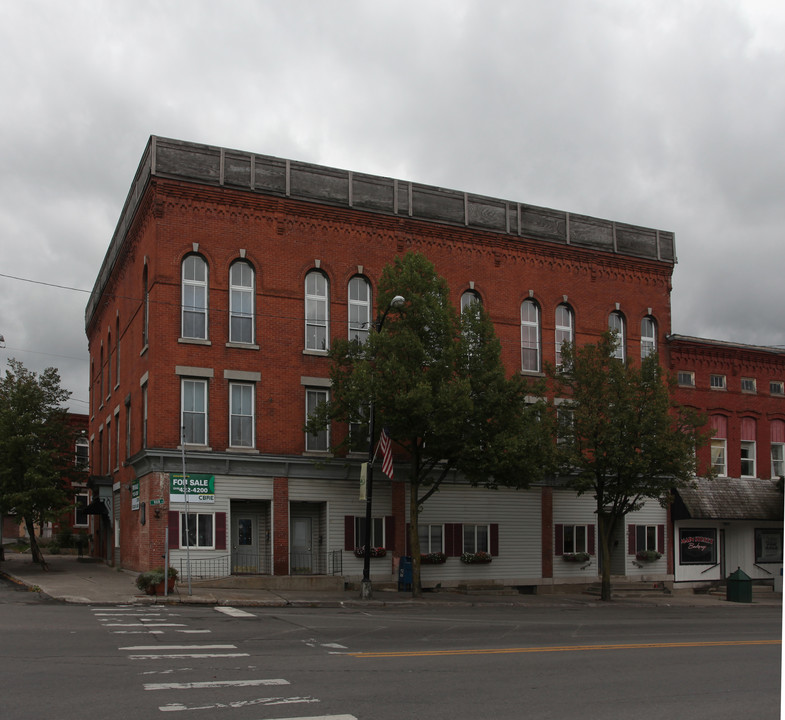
152	581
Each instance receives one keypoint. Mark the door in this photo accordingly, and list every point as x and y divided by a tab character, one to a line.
302	556
245	544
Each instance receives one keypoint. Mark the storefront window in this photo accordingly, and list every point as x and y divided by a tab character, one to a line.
698	546
768	545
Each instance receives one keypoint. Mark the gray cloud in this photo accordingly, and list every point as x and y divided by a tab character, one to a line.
668	115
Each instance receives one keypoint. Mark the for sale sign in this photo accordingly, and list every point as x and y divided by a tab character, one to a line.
198	488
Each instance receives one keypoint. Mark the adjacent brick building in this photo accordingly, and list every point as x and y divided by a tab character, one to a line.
226	280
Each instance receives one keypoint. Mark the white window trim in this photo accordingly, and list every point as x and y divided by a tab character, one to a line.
753	385
232	414
778	450
715	467
308	437
359	330
620	352
563	333
197	381
689	375
182	529
428	549
721	379
477	527
752	446
574	535
648	339
312	322
193	308
249	290
526	344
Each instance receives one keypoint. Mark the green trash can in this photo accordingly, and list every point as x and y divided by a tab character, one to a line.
739	587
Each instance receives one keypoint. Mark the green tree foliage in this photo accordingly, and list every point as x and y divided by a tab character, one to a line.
438	385
621	437
36	448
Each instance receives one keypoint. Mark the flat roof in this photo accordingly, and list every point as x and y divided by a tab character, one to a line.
268	175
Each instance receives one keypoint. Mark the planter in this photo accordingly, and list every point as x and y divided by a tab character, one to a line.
436	558
647	556
158	588
478	558
375	552
576	557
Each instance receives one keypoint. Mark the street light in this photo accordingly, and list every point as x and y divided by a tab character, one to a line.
366	591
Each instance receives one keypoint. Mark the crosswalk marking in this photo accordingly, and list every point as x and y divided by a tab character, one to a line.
181	656
233	611
213	684
179	647
174	707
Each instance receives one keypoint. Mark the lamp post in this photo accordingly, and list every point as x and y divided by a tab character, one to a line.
366	591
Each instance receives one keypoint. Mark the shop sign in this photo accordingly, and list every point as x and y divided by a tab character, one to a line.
698	546
134	494
198	488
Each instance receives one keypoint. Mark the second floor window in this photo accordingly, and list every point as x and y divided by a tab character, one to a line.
359	309
777	448
194	303
316	311
319	441
241	415
530	336
719	425
241	303
82	454
194	411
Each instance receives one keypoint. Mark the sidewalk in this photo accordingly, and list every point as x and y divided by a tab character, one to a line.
86	581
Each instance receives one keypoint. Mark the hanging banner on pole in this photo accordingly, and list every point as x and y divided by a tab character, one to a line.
196	488
363	481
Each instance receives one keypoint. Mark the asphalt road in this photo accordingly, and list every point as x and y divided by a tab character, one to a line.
66	662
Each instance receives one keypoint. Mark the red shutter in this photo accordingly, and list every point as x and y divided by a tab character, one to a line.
174	530
220	531
389	532
591	543
559	530
348	532
631	539
494	539
661	539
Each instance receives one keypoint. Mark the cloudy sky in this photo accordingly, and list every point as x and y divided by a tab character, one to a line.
667	114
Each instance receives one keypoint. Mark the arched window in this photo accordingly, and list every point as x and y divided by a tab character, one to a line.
616	325
777	448
719	445
648	337
530	336
468	298
194	285
359	308
82	450
241	303
564	329
316	311
146	308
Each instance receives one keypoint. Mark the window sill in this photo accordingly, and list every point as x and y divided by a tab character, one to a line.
242	346
193	341
319	353
242	451
200	448
318	453
533	373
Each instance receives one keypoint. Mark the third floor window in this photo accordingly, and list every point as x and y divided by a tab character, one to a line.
194	302
241	303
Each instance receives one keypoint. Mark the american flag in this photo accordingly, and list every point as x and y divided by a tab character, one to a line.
386	448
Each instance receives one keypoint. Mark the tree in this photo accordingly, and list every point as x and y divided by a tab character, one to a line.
36	448
436	382
620	436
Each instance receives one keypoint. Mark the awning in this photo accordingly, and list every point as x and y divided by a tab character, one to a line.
97	507
729	499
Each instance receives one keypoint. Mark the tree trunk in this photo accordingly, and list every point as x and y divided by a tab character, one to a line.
35	551
605	530
414	541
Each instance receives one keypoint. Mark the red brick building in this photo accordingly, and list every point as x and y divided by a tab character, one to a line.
226	280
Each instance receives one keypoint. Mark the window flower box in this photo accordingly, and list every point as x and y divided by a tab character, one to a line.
434	558
576	557
376	552
647	555
478	558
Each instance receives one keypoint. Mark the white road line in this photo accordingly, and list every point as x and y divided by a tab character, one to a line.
175	707
193	632
138	632
182	656
233	611
320	717
136	625
179	647
334	645
213	684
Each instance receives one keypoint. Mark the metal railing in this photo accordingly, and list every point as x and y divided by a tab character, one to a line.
316	563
